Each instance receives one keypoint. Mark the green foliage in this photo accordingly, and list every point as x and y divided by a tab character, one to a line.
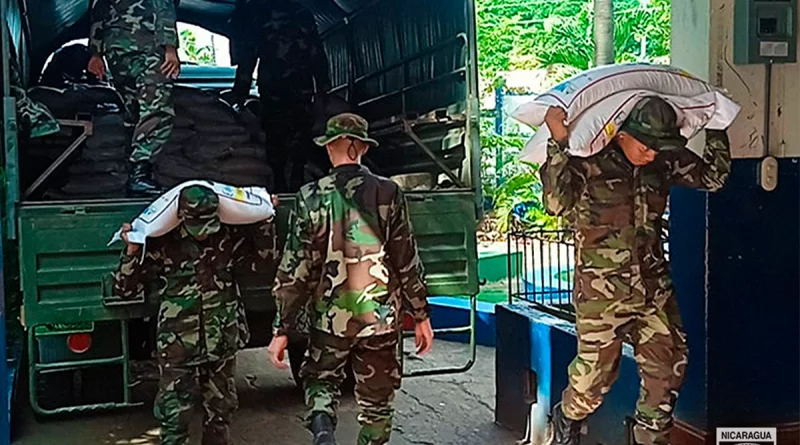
555	35
530	34
192	53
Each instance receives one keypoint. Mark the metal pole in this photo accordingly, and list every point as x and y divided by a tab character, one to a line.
5	410
499	99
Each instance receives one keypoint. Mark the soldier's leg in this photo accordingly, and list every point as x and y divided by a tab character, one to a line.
278	132
156	111
662	356
377	373
174	402
596	366
323	373
124	68
220	401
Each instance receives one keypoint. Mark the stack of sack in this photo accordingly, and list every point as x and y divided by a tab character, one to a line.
599	100
210	140
99	167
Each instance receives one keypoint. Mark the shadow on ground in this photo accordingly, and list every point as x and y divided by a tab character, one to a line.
440	410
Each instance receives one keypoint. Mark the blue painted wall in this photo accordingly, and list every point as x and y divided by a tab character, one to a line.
742	317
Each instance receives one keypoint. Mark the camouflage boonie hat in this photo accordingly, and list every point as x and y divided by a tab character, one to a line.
346	125
197	207
654	123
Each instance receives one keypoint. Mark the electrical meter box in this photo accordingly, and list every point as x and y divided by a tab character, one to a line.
765	32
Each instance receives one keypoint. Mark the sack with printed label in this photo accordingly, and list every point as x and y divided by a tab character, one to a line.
237	205
597	126
580	92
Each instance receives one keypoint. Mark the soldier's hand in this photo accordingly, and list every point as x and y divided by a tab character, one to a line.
132	248
277	351
97	66
556	119
172	64
423	333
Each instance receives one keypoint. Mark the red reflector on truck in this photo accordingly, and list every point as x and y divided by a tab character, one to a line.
79	343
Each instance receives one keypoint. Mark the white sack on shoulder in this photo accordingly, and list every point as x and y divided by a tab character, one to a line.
596	127
580	92
237	205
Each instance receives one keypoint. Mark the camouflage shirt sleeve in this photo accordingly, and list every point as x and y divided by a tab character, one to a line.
166	23
295	278
131	277
562	182
98	16
710	172
256	248
404	259
316	49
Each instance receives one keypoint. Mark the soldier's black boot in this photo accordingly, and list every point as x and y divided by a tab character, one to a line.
141	183
322	429
565	431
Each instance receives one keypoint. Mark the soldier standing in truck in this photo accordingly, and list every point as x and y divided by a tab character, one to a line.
623	290
351	259
139	40
201	318
282	37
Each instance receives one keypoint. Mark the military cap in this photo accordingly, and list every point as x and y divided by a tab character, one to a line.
346	125
654	123
197	207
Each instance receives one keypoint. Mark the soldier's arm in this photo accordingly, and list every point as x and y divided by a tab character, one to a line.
98	15
132	275
316	50
404	257
295	278
166	23
256	249
562	180
709	172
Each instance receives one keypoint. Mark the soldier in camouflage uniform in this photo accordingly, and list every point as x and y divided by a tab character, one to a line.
35	119
139	39
292	66
201	320
623	289
351	260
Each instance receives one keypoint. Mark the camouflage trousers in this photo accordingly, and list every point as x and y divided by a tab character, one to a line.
287	124
377	372
178	389
147	94
654	328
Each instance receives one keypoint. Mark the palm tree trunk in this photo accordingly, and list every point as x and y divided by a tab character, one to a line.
603	32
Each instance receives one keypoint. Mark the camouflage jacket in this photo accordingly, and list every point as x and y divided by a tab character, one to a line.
350	258
132	25
616	208
284	36
200	316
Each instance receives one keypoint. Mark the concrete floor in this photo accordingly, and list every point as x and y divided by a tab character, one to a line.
440	410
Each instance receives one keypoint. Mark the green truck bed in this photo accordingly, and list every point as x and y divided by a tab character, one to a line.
66	264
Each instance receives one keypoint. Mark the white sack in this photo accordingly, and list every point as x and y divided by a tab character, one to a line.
578	93
598	125
237	205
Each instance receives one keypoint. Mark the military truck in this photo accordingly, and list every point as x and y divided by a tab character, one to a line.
409	66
